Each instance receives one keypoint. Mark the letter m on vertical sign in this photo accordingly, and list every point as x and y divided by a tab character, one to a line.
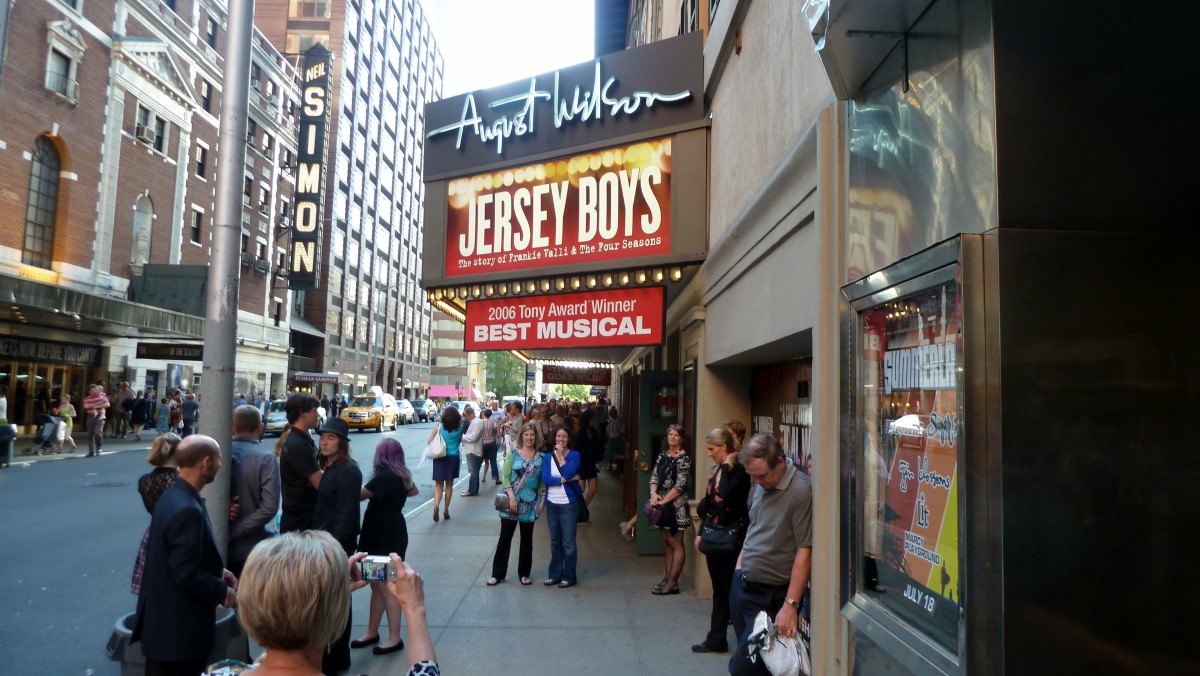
304	261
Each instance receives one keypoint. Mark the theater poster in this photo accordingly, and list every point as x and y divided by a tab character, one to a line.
912	407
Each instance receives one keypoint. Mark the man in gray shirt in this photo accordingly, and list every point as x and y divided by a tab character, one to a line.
776	558
255	477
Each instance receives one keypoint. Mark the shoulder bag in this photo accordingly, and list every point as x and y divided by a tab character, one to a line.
436	448
718	538
501	502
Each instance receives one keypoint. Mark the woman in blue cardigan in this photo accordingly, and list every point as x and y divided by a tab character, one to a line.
564	496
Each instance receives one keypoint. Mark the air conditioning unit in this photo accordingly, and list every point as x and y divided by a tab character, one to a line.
145	134
247	258
285	222
262	265
264	209
281	271
256	85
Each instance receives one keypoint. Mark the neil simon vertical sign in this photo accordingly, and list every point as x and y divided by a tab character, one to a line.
305	259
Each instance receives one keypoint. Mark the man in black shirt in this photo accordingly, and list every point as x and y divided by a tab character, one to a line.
298	469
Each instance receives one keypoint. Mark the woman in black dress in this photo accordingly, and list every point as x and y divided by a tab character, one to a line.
151	487
384	531
591	447
336	512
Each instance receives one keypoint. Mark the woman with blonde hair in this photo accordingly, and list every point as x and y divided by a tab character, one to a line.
293	598
669	485
522	477
723	507
151	487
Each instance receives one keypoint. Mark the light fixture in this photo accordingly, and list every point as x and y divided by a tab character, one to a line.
475	291
574	283
608	280
560	284
503	288
489	290
624	278
676	274
530	286
545	285
658	274
591	281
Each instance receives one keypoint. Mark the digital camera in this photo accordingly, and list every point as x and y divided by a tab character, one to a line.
377	569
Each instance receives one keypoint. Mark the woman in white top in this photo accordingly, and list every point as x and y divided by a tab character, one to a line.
564	498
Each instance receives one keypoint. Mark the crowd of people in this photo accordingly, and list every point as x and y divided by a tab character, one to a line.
756	501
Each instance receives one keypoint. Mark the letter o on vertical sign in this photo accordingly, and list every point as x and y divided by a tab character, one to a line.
304	261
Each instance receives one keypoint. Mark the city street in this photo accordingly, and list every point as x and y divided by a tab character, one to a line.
69	534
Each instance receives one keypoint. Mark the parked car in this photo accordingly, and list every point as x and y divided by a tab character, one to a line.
426	409
373	410
461	405
408	414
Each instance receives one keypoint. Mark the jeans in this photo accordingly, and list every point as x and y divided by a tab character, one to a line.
744	603
489	454
474	462
95	433
562	520
525	553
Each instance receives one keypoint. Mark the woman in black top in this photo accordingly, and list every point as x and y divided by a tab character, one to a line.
591	447
151	487
336	512
384	530
724	504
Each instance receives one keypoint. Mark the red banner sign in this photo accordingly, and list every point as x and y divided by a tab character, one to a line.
586	319
611	204
566	375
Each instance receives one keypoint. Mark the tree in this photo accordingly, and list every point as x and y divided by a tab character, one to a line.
574	392
505	374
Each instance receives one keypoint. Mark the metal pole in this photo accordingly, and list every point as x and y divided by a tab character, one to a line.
220	327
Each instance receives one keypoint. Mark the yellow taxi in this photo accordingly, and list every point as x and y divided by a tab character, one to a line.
372	410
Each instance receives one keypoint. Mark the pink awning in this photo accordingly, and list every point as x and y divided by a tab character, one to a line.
447	391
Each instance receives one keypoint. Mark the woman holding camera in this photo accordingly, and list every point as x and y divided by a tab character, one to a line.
293	597
522	477
384	530
669	484
336	512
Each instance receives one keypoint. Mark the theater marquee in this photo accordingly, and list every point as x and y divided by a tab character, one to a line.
304	261
601	206
615	317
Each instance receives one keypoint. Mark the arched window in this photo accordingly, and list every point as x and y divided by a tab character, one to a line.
42	206
143	220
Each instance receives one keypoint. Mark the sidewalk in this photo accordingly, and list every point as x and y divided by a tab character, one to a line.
609	623
25	442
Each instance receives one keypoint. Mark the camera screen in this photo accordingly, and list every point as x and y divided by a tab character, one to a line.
374	571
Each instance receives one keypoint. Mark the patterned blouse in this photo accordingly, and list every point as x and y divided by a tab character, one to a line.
513	469
674	473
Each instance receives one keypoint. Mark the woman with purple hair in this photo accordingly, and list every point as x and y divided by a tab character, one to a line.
384	530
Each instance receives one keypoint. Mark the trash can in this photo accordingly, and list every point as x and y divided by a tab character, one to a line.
230	643
8	435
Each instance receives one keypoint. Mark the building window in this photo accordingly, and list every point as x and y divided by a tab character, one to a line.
251	131
65	51
150	129
41	208
206	96
211	36
298	42
60	76
309	9
268	146
197	224
255	77
143	222
247	190
201	161
264	200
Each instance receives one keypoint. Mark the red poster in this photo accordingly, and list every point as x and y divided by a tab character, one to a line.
612	204
586	319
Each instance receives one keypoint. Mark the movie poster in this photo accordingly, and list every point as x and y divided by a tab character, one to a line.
912	407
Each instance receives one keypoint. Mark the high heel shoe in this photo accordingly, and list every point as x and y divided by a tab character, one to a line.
436	517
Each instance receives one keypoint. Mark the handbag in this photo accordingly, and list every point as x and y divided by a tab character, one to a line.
718	540
501	501
653	513
782	655
436	448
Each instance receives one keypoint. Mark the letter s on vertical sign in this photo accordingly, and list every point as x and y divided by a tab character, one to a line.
314	101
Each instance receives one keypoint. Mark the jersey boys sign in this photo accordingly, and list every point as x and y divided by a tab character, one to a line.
602	206
613	317
305	260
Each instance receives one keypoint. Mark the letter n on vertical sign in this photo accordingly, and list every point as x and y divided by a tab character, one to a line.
304	260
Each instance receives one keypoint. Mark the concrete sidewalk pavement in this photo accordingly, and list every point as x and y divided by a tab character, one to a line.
609	623
25	451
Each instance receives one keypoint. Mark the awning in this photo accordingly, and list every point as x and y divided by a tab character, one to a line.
475	394
447	391
310	377
302	325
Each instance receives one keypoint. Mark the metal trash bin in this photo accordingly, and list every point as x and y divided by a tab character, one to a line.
230	643
8	436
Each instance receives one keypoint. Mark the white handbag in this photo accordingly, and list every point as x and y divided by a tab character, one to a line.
783	655
434	449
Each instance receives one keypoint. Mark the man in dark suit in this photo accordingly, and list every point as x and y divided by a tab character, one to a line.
184	580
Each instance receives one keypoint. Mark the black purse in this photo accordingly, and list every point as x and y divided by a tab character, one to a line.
718	539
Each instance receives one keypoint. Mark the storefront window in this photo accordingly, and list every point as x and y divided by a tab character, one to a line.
911	406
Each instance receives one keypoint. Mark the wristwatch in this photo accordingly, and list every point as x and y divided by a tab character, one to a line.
792	602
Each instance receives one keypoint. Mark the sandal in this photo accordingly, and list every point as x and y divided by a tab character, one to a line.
493	581
551	582
665	591
526	581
